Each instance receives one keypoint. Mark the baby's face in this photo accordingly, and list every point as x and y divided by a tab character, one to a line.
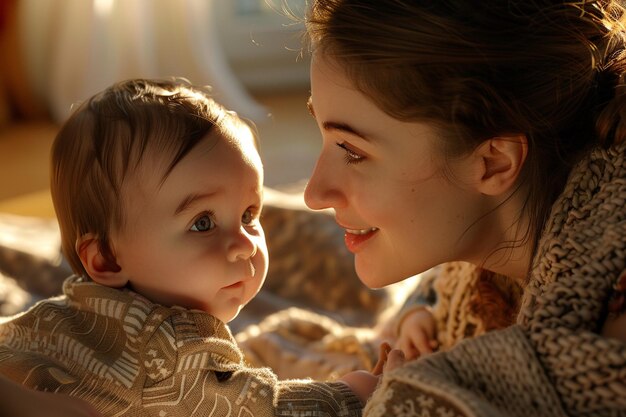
195	240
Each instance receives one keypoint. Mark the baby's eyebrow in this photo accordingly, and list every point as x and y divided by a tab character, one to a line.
189	200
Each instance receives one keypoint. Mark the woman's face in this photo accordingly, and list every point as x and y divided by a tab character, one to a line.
385	180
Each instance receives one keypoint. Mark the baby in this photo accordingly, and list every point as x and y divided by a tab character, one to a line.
158	191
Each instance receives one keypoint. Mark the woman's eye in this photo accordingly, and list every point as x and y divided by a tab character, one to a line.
248	217
203	224
350	156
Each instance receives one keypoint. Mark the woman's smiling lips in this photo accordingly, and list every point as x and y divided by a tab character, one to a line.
355	238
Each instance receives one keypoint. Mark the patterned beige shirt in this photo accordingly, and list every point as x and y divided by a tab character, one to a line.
130	357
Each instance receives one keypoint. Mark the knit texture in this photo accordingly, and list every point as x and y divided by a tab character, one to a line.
129	357
582	254
464	300
552	362
471	302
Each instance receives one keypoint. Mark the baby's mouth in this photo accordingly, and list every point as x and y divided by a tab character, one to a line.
248	276
235	285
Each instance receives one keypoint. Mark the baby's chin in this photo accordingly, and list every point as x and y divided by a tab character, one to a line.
227	317
231	313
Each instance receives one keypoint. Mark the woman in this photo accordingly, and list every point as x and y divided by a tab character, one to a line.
490	133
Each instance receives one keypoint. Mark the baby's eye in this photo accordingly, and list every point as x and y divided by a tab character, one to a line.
247	217
351	156
203	223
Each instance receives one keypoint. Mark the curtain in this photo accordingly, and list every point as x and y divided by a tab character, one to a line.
75	48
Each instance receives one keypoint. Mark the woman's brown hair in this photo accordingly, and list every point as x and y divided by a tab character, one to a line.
551	70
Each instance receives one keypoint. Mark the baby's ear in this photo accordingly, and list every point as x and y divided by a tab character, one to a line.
101	267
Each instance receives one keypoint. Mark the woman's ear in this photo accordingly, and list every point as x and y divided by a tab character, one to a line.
101	268
501	161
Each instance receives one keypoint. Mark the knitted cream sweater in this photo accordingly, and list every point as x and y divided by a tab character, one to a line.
465	301
552	362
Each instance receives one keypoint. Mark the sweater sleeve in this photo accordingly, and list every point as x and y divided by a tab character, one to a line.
310	398
494	375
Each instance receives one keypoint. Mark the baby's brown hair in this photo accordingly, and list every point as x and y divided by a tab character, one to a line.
106	138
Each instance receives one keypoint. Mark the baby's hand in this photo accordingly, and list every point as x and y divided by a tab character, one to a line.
388	359
416	334
383	352
362	383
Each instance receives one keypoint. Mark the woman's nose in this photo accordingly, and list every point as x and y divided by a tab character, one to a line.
241	245
324	189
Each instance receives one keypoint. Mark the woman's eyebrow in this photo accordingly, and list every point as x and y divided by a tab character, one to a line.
309	106
342	127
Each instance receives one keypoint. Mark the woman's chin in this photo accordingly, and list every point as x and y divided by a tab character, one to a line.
376	276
